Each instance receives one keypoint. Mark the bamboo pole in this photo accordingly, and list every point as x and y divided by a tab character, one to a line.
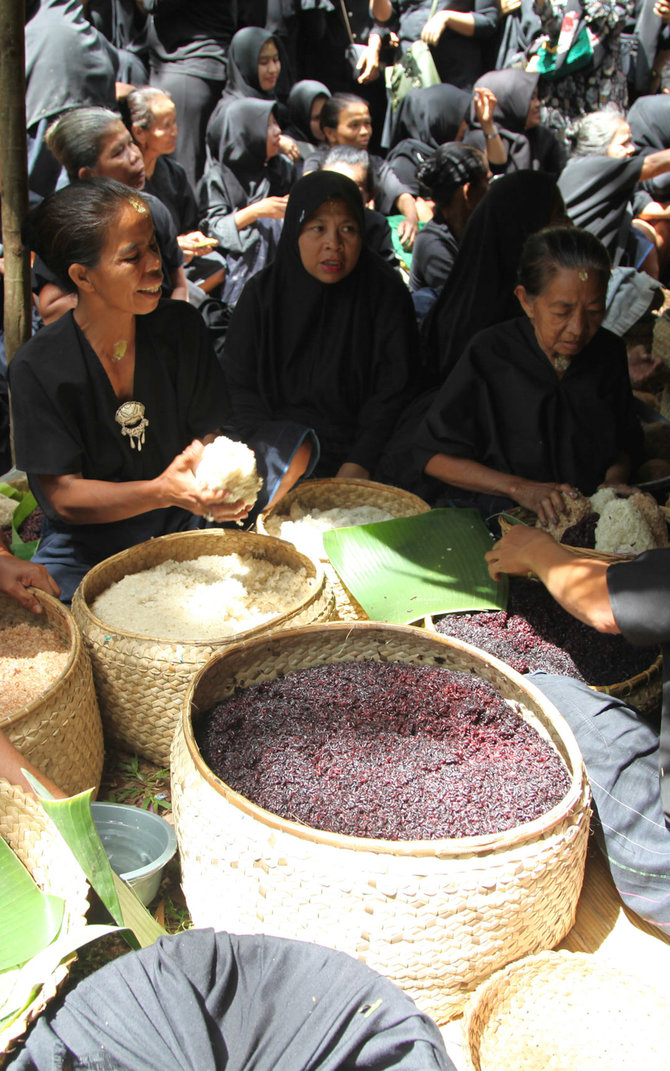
14	174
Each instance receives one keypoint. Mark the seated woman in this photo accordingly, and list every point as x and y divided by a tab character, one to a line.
426	119
111	401
254	70
542	404
242	199
151	117
305	103
518	122
93	142
325	336
345	120
357	165
456	178
598	184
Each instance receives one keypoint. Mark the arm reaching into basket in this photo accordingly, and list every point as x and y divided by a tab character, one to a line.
578	584
12	765
17	577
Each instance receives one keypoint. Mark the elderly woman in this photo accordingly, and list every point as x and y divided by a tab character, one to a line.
325	335
111	402
94	143
540	405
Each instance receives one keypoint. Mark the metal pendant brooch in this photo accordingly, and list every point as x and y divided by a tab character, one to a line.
131	417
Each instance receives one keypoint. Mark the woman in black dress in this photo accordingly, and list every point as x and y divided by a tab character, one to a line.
325	336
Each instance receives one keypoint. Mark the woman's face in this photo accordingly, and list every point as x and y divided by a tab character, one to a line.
162	137
128	274
269	66
314	117
621	144
354	127
273	136
330	242
534	117
119	158
569	311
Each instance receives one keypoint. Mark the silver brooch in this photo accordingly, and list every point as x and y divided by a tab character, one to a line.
131	417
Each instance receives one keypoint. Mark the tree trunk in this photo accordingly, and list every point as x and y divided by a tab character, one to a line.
14	174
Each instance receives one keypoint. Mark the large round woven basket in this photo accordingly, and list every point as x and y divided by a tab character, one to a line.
60	731
41	849
435	916
141	681
343	494
559	1011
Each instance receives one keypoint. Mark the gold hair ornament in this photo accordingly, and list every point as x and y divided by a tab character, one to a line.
583	275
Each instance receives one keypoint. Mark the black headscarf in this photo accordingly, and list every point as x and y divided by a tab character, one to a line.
243	147
300	102
480	289
597	191
536	148
649	119
432	115
332	356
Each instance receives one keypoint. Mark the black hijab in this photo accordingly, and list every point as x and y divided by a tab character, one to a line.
322	350
243	147
480	289
432	115
300	102
649	119
536	148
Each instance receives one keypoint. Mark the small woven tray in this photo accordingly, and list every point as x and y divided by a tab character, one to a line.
343	494
435	916
60	731
560	1011
39	846
140	680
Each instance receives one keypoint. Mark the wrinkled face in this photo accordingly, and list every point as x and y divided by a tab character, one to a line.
269	66
354	127
534	117
330	242
119	158
569	311
621	144
128	275
273	136
162	137
314	117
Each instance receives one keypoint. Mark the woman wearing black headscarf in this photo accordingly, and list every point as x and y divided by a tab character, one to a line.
305	102
254	70
517	114
325	336
427	118
243	198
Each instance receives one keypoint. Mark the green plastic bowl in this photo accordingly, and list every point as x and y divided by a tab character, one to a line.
138	844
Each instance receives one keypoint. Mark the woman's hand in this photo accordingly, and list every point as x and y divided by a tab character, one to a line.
178	488
17	576
271	207
435	27
368	64
662	10
545	499
516	552
484	101
289	147
409	226
349	470
194	244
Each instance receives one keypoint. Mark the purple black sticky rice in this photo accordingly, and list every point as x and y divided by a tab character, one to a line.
387	750
536	633
31	528
583	533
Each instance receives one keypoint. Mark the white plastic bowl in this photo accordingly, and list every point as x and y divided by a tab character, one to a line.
138	844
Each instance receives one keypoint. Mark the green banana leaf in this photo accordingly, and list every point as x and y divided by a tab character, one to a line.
402	570
20	549
29	918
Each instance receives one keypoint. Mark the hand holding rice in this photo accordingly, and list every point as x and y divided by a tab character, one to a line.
230	466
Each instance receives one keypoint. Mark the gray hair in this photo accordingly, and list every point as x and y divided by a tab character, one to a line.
138	106
592	135
76	138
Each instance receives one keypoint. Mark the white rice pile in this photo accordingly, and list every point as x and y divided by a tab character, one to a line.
628	525
305	528
7	508
207	598
229	466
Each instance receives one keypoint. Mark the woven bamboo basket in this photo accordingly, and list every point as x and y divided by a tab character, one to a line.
60	731
559	1011
643	689
141	681
343	494
39	846
435	916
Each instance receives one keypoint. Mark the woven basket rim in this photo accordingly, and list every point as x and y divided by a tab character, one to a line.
482	844
312	568
54	607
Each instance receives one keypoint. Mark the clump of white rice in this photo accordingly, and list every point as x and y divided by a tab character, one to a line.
7	508
304	528
229	466
206	598
628	525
